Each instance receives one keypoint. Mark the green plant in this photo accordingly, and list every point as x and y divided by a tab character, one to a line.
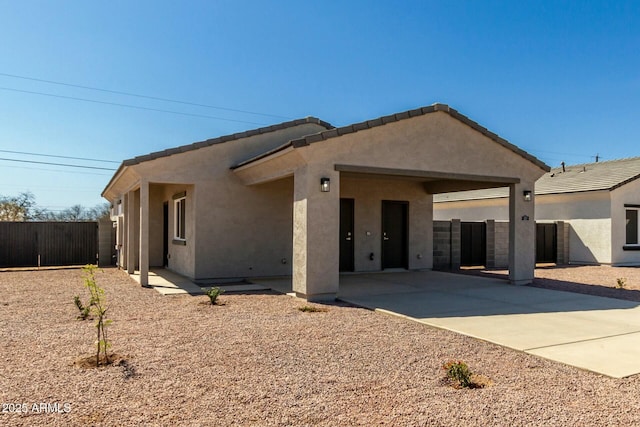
98	306
311	309
84	311
621	282
213	294
459	372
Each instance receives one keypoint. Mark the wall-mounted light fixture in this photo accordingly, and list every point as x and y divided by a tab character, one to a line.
325	185
527	195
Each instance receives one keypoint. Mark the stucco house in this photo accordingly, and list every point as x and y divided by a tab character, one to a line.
309	200
595	206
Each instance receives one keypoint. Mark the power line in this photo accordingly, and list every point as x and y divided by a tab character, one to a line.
59	157
130	106
143	96
56	164
57	170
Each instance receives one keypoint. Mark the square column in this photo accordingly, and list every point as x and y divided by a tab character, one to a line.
316	229
144	233
522	234
131	232
123	225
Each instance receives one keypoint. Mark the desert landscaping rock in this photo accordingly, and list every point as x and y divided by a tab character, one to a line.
258	360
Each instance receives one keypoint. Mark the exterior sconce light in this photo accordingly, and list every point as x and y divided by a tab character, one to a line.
325	185
527	195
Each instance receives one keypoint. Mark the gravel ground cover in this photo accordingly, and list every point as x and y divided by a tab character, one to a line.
257	360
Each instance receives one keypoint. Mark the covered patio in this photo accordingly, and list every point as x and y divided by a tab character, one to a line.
363	194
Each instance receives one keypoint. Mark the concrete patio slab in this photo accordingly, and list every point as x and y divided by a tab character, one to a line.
593	333
618	355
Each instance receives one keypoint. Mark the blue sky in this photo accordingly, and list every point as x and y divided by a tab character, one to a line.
559	79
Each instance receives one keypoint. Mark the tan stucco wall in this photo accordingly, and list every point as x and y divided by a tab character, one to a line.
233	230
627	194
473	210
368	195
432	142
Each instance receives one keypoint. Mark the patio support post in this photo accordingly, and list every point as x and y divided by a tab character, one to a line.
522	234
124	223
144	233
316	227
131	241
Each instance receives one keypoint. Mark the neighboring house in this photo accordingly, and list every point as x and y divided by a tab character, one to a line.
303	198
595	206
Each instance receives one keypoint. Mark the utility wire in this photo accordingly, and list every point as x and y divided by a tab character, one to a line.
129	106
57	170
56	164
59	157
143	96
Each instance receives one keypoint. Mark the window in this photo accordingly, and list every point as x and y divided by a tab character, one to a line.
179	220
632	226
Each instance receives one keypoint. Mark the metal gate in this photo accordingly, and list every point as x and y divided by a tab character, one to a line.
33	244
473	243
546	243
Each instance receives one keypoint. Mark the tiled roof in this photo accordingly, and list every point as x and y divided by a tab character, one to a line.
575	178
218	140
225	138
356	127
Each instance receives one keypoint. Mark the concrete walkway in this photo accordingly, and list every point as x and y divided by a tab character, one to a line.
594	333
167	282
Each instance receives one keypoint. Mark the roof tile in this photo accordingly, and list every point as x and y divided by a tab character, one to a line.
598	176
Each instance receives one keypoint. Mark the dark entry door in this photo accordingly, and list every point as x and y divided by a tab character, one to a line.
346	235
395	234
546	243
165	234
473	243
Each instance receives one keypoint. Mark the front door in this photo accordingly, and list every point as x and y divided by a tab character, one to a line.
395	234
346	235
165	234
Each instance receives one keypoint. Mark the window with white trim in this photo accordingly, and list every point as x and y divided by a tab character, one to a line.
632	226
179	220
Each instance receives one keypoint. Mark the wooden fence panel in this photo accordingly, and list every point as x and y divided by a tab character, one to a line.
32	244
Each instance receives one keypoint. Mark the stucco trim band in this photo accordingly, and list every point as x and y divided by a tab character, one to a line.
432	175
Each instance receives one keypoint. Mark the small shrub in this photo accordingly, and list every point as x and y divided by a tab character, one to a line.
84	311
621	282
312	309
98	306
213	294
459	372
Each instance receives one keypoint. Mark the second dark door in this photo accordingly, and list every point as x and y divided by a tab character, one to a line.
346	235
394	234
546	243
473	243
165	234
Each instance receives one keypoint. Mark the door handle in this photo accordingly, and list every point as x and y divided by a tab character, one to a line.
384	237
348	236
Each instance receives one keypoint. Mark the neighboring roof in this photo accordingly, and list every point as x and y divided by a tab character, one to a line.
218	140
575	178
335	132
